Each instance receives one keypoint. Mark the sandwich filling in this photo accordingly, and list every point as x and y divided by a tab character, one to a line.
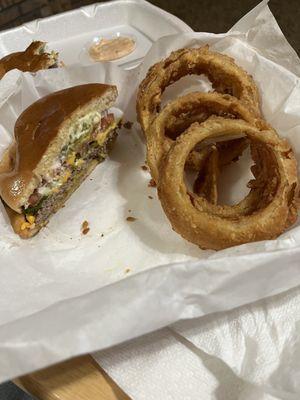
90	140
52	56
53	59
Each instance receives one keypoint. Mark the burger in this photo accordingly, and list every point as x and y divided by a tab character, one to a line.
59	140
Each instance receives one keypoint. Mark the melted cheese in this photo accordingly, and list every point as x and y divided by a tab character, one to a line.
71	159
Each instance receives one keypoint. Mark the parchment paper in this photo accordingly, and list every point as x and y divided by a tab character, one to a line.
64	294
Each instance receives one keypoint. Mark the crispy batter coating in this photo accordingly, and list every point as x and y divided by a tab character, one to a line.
205	132
206	184
273	195
226	77
179	114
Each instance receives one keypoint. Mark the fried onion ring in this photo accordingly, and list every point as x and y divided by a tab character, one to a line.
226	77
197	106
206	184
270	213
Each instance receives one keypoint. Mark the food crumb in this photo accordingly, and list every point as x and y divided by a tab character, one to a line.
85	227
102	234
152	183
144	168
150	197
127	270
129	210
128	125
131	219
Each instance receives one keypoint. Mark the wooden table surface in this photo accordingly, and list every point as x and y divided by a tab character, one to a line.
77	379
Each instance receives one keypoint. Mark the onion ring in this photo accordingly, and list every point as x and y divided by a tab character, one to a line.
272	214
187	109
223	72
206	183
264	183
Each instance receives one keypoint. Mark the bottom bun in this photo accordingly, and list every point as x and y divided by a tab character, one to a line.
18	221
